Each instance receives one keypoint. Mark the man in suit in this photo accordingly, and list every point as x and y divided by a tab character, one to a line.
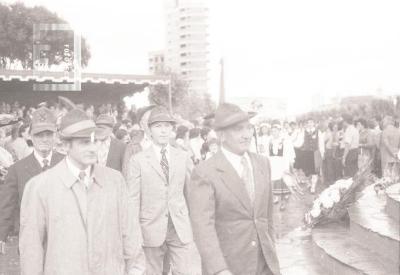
76	217
43	130
111	151
156	178
230	202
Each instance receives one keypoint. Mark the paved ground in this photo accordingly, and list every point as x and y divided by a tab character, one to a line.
293	244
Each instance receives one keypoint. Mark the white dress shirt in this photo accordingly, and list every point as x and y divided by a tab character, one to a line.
76	171
40	159
236	161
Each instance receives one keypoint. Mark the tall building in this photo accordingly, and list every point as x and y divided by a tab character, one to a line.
156	62
186	46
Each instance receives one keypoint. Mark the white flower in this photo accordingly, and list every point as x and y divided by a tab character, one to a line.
315	212
327	202
335	196
317	203
344	184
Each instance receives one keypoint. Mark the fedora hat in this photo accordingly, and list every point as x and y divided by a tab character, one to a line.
228	114
77	124
141	111
43	119
160	114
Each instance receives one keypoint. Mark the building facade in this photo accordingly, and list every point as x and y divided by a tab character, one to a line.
186	52
156	62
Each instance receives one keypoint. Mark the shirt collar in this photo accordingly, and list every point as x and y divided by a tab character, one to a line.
40	159
235	159
158	148
75	170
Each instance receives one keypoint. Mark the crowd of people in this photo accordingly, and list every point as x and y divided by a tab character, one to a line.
212	168
323	151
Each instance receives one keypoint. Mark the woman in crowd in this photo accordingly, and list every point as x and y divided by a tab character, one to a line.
263	138
281	155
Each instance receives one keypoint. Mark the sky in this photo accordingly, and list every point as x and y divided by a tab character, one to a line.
294	49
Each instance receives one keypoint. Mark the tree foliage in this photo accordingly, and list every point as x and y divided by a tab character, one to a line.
189	105
16	34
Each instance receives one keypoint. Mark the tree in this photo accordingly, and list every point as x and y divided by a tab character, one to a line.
189	105
16	34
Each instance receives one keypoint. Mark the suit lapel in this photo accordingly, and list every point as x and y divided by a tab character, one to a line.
260	181
33	166
56	158
173	163
232	181
109	155
153	161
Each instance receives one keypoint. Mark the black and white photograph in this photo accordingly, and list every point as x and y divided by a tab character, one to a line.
199	137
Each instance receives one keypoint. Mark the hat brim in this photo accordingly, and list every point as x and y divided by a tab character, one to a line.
142	111
172	121
39	129
85	133
233	121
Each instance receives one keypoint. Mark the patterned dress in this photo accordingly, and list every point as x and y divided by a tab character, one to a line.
281	155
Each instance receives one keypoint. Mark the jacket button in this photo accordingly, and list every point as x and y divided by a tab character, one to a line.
253	243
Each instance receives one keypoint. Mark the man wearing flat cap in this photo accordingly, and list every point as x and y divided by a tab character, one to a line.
111	150
156	178
230	202
76	217
43	128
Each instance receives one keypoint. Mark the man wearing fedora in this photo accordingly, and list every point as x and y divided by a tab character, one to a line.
156	178
76	217
230	202
43	128
111	150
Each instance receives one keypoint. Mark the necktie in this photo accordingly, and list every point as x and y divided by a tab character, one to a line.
82	176
164	163
45	165
246	177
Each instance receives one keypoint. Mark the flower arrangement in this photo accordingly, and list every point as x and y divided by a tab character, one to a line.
381	184
331	205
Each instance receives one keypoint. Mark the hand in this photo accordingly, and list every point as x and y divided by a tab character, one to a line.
224	272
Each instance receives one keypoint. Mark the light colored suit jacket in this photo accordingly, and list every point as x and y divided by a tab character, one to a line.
56	239
155	198
227	230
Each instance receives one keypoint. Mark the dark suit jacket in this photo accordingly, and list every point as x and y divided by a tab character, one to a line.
11	191
227	230
115	157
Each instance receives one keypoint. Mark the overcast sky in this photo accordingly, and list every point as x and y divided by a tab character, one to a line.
290	48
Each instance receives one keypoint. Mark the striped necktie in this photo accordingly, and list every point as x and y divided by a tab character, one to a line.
164	163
